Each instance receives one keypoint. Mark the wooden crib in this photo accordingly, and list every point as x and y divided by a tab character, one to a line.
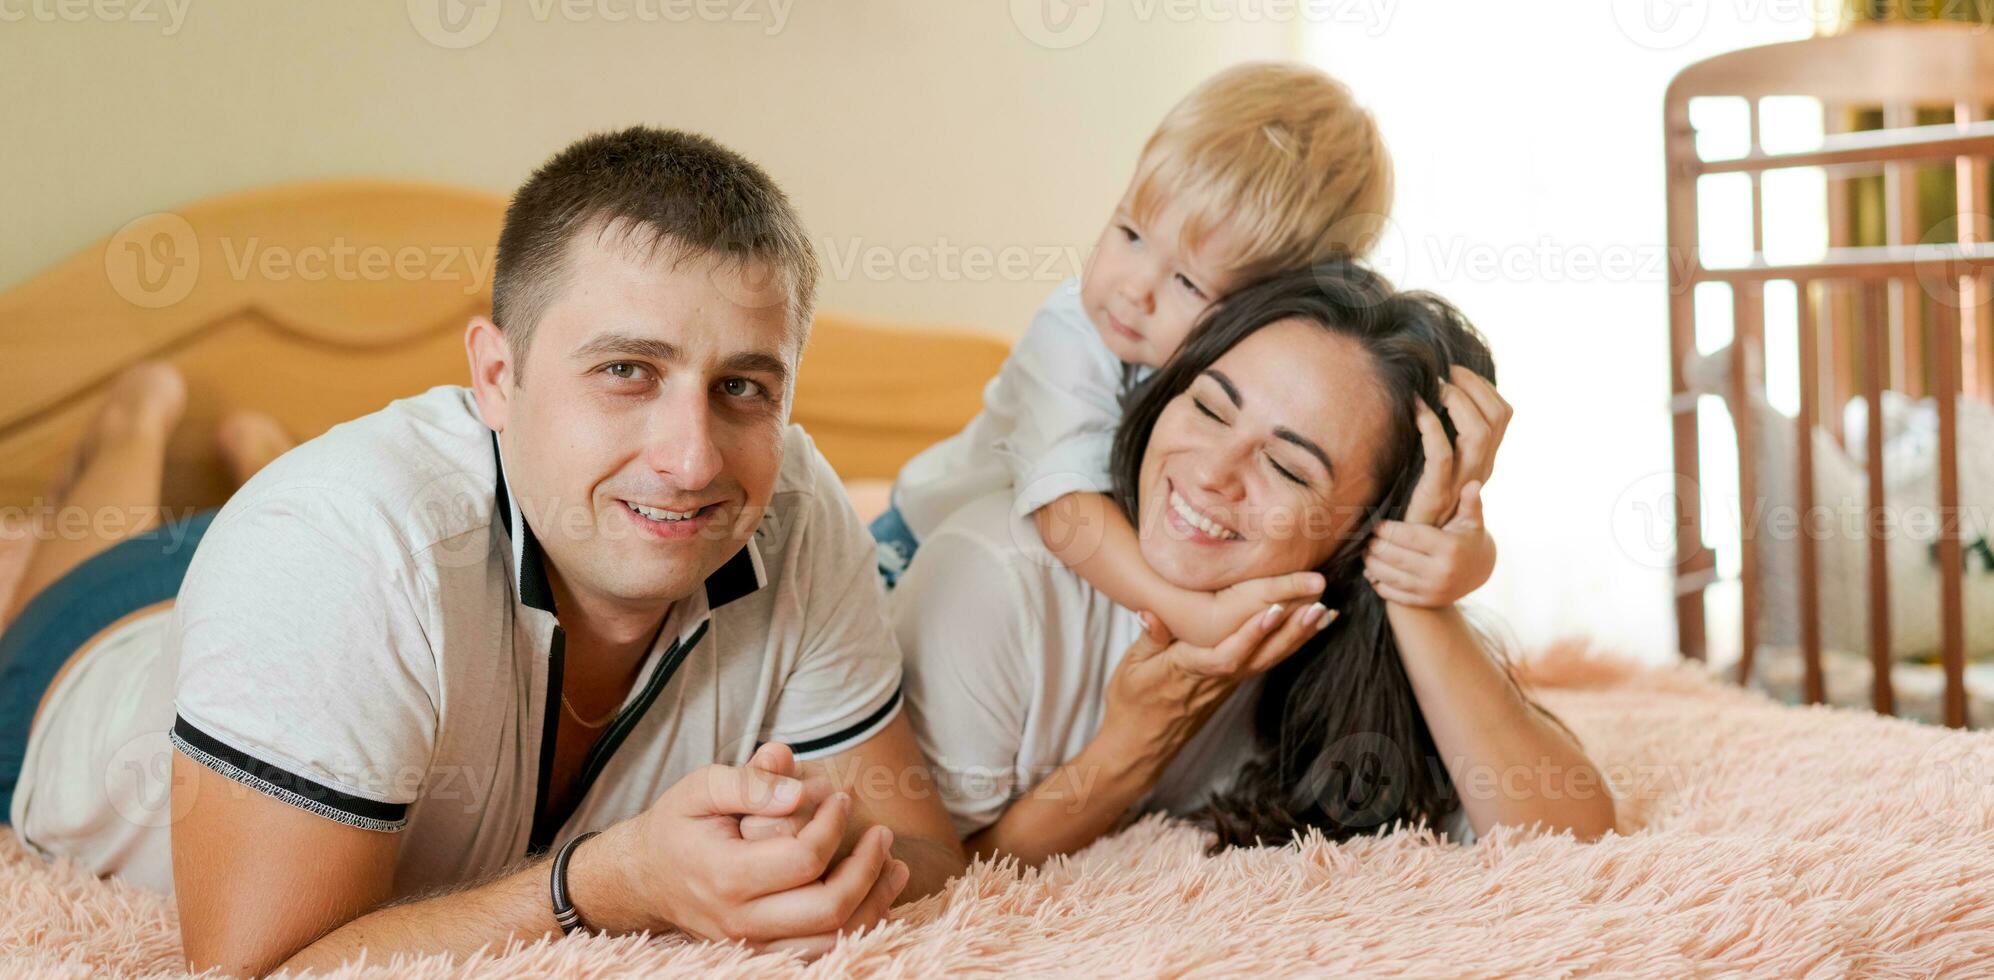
1910	315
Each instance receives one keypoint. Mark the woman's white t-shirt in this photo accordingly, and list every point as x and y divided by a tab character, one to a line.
1008	658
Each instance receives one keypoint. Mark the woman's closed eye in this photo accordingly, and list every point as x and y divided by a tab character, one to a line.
1286	473
1202	407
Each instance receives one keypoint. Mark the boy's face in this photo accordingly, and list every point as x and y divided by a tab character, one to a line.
1144	289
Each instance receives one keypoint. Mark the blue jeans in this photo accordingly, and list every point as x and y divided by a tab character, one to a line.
126	577
896	545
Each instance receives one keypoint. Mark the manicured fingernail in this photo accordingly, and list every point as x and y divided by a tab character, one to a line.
787	791
1271	616
1313	616
885	836
1328	618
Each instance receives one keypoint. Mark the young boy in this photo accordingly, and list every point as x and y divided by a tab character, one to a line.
1262	168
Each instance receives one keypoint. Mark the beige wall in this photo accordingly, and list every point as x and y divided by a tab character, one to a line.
924	132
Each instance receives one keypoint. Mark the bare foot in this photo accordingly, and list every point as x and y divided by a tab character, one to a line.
249	441
145	401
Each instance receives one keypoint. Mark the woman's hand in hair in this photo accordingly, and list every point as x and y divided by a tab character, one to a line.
1164	689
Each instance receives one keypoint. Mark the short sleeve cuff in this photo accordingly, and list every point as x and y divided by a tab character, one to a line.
1075	465
300	791
849	736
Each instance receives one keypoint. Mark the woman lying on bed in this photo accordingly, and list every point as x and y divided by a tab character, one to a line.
1050	713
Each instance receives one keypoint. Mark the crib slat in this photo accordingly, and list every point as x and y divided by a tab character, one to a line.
1977	347
1757	179
1976	330
1747	339
1810	584
1952	603
1875	367
1693	559
1839	369
1858	152
1867	262
1900	220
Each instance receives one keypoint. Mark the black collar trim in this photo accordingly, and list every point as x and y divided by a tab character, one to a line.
742	575
528	564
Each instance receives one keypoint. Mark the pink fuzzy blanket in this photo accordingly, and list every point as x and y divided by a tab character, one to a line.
1758	839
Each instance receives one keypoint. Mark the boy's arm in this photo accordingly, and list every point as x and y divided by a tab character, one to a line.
1088	533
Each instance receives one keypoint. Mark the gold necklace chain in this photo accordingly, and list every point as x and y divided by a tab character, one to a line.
584	722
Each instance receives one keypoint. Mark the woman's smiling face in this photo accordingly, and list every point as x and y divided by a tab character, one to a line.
1266	462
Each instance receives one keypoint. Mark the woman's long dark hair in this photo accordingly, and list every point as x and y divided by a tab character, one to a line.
1343	745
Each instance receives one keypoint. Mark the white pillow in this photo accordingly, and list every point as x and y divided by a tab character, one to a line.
1840	496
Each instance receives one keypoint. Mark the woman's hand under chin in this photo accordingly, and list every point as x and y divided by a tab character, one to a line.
1207	619
1164	689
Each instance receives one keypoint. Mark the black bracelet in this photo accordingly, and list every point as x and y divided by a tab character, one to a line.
564	911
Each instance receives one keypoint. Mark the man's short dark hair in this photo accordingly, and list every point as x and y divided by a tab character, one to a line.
652	188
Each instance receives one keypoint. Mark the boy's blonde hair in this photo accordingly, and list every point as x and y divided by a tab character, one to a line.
1282	155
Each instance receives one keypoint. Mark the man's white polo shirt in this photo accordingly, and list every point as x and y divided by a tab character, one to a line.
367	632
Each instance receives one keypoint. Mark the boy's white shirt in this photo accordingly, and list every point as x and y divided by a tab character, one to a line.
1046	429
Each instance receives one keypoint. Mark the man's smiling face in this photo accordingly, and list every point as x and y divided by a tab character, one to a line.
644	435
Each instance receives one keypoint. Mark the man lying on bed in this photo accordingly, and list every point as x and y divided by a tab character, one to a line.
606	588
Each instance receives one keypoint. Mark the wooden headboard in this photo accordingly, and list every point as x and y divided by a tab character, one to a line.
320	302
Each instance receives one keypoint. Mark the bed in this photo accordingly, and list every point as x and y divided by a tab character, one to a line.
1730	856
